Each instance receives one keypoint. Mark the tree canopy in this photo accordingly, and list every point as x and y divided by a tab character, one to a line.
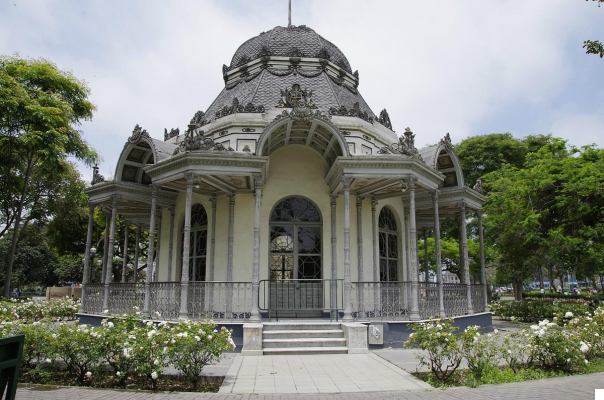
41	107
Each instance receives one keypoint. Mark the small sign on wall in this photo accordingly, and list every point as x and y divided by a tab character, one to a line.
376	334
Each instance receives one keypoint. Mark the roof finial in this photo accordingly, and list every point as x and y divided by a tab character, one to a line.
289	16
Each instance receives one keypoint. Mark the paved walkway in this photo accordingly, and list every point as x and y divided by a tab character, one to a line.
304	374
574	387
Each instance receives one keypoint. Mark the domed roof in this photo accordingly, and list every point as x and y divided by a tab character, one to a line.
275	61
285	42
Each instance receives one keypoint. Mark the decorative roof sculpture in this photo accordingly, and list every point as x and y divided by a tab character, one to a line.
405	146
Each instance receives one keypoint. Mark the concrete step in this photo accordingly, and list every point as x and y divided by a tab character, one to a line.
305	350
303	342
298	326
303	333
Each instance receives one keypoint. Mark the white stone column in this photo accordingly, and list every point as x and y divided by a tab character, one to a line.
334	254
106	244
149	273
255	316
110	251
426	273
413	250
210	305
361	272
184	282
136	253
159	224
125	253
231	234
171	245
229	288
439	276
464	249
86	276
376	257
483	269
347	280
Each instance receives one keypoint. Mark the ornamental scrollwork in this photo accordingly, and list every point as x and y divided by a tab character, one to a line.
405	146
238	108
137	134
446	142
96	177
303	114
169	135
296	97
384	119
196	141
355	111
199	119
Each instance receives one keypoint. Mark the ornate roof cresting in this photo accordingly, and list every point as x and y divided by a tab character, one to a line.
478	186
405	146
355	111
169	135
196	141
96	177
296	97
199	119
384	119
446	142
137	134
238	108
303	114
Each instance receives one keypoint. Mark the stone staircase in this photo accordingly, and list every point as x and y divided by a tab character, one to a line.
303	338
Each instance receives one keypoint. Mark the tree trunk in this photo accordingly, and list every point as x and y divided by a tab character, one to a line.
13	246
550	270
517	286
540	272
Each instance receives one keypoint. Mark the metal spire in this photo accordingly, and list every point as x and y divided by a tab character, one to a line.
289	16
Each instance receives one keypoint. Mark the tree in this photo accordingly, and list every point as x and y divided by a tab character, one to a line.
40	108
594	46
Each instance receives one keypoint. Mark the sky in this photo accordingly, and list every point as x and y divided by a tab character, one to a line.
467	67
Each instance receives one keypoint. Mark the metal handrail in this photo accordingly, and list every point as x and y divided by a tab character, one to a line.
286	295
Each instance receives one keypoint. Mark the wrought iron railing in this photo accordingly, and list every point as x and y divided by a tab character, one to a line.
93	301
123	297
301	297
455	299
429	300
478	302
220	300
381	300
165	299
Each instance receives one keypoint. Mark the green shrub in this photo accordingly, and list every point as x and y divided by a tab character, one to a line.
480	351
533	311
79	347
443	347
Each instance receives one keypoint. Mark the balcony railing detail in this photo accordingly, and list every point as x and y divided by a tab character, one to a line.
220	300
455	299
93	303
123	297
165	299
429	303
381	300
478	302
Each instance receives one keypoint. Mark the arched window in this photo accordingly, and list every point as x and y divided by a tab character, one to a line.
198	243
388	233
295	240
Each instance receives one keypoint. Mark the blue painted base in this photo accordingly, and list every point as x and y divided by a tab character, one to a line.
397	332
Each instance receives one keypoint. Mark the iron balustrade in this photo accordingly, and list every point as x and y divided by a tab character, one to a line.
123	297
93	301
301	297
478	302
455	299
429	301
165	299
230	301
381	300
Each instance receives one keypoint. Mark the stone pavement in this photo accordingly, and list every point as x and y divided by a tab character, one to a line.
320	373
573	387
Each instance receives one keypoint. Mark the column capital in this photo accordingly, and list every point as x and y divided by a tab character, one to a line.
258	180
374	203
158	213
172	211
360	200
346	181
231	197
435	195
462	206
333	199
189	177
154	189
408	182
213	201
115	198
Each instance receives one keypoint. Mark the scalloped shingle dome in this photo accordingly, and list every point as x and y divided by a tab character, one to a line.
284	41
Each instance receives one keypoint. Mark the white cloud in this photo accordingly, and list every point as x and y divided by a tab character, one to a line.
439	66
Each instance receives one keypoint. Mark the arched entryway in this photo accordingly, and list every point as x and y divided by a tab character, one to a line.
295	258
388	246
